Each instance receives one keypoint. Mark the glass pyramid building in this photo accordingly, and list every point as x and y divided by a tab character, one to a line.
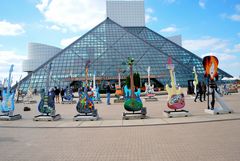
107	46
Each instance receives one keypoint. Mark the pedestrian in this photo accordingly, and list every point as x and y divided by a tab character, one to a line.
62	93
108	91
204	90
198	92
57	92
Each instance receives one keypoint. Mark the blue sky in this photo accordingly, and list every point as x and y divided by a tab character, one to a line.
207	26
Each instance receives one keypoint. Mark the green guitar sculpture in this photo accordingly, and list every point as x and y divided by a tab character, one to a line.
132	102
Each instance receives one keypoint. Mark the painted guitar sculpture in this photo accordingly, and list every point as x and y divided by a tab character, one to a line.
175	96
132	103
7	104
96	95
195	82
149	89
47	104
85	103
210	64
119	91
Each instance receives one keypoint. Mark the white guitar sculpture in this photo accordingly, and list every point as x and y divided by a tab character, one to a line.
149	88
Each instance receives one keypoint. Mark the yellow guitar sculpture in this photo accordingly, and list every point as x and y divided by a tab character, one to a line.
175	96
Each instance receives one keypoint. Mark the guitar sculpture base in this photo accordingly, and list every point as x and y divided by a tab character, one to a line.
97	101
151	99
10	118
69	102
135	115
29	101
218	110
45	117
176	113
120	100
86	116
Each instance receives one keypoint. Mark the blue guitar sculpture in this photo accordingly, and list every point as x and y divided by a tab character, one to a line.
85	105
68	96
46	105
7	104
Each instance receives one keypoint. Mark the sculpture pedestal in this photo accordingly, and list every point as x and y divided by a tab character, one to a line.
47	117
29	101
135	115
69	102
120	100
151	99
10	118
177	113
218	110
87	116
97	101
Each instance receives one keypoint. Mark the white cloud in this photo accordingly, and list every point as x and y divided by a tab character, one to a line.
42	5
149	10
149	18
169	1
68	41
236	49
76	15
148	15
221	56
6	59
10	29
235	17
208	43
170	29
237	7
57	28
202	3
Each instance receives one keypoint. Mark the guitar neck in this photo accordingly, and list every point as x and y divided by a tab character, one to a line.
172	79
119	79
132	82
149	76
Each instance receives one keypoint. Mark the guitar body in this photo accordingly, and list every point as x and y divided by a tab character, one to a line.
46	104
176	101
210	64
68	94
133	104
85	103
7	103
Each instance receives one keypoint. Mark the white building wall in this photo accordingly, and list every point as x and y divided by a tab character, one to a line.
127	13
37	55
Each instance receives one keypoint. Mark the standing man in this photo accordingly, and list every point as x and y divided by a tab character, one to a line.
204	90
108	91
57	92
198	92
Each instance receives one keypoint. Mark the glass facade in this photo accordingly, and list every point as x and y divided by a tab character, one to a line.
107	46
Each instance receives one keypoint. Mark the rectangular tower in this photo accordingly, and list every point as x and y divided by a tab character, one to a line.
127	13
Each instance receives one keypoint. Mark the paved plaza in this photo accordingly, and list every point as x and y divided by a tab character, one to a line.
199	137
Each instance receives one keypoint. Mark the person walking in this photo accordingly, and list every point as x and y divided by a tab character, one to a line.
62	93
198	92
204	90
108	91
57	92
